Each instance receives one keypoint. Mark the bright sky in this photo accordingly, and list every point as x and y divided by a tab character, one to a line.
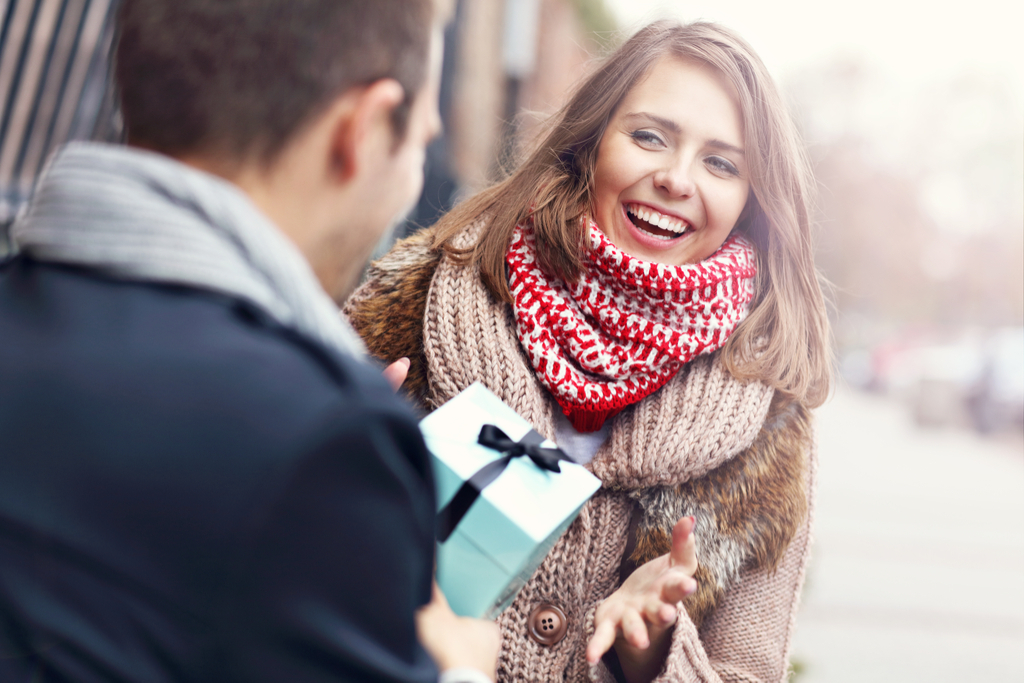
910	38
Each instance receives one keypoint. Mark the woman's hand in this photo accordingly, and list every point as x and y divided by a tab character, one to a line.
455	642
637	618
396	373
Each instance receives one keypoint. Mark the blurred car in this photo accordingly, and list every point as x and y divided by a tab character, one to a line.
893	366
945	378
997	400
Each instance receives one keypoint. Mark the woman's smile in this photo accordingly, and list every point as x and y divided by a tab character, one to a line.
671	179
650	222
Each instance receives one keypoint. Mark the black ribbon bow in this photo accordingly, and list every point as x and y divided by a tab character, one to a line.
493	437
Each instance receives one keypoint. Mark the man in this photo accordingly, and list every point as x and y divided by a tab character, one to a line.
198	479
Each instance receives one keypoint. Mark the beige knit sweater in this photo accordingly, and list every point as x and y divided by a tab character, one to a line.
705	444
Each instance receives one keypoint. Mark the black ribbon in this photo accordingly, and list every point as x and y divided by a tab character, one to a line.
492	437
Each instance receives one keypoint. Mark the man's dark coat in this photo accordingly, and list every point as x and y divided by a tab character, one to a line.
190	492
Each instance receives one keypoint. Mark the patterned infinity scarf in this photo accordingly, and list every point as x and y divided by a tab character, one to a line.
627	326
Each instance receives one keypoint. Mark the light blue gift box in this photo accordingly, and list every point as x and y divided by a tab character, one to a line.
510	528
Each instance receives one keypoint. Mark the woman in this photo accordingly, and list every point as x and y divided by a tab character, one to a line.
642	290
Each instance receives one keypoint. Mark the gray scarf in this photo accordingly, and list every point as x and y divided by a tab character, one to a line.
137	215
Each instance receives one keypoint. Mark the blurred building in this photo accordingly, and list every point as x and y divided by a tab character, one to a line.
519	60
508	64
54	86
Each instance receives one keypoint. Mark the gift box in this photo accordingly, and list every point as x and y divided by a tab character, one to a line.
522	495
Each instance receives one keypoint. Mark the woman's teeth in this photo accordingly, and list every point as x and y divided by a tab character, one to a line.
671	228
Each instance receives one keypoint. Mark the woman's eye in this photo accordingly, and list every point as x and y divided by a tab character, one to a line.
647	138
722	165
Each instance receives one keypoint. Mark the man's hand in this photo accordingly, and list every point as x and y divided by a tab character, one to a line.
454	641
396	373
637	618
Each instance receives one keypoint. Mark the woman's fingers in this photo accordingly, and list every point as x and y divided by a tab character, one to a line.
602	640
677	586
644	607
684	548
634	629
607	627
659	613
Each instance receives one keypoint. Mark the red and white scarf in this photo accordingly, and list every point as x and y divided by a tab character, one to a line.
627	326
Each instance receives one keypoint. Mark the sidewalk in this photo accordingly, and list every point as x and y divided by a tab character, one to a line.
918	568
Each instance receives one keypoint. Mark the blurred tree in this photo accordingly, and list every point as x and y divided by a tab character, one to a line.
596	18
919	200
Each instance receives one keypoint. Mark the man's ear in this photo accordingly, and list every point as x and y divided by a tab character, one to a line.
362	126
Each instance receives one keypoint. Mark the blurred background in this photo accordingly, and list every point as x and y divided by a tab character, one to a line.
913	116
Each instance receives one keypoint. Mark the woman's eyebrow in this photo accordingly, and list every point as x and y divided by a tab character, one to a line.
724	146
661	121
675	128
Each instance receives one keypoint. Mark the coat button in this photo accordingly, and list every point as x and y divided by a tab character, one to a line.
547	624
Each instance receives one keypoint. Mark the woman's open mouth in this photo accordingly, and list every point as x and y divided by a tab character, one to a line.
655	224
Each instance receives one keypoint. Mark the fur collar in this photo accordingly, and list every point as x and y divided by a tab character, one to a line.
747	509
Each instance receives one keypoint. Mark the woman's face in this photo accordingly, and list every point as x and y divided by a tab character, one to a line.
671	178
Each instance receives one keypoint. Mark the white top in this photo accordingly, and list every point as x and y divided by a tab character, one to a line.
580	446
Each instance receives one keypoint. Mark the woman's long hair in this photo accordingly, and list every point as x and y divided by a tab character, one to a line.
785	339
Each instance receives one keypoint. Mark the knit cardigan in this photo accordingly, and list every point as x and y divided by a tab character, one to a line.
734	454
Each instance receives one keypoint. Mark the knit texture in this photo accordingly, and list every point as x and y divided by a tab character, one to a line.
626	326
705	444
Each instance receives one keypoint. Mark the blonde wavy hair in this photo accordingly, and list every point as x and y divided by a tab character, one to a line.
785	340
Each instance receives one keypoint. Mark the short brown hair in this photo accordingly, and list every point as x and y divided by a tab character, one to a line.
785	341
240	77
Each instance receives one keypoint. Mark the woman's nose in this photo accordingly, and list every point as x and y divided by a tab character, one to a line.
675	179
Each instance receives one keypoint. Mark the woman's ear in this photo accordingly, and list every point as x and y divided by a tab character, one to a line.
361	129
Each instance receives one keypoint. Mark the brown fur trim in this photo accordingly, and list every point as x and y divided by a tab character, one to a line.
651	542
387	309
748	510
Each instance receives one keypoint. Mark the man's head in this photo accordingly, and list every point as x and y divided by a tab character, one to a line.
319	109
240	77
